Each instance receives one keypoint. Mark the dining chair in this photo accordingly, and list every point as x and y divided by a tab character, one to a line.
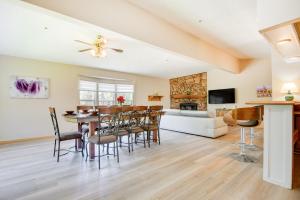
248	117
63	136
138	120
124	130
109	135
153	122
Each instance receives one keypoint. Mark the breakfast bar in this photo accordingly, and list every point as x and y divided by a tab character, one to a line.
280	135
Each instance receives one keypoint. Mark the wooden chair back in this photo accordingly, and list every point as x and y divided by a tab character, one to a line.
155	108
140	108
109	110
138	116
109	116
125	116
102	106
154	115
127	108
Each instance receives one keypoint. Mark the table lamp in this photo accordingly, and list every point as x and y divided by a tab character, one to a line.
289	89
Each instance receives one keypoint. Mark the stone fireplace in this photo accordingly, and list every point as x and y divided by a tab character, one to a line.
189	92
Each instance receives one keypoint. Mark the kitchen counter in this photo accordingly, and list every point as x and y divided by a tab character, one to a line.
279	138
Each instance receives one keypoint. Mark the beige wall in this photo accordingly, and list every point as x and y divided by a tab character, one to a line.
255	73
284	72
24	118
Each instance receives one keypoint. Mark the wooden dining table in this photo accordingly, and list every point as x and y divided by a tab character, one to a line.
92	121
81	118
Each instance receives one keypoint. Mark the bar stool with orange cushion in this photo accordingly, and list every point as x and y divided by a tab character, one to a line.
248	117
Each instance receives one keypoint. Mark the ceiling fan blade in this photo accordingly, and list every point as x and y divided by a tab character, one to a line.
83	50
83	42
117	50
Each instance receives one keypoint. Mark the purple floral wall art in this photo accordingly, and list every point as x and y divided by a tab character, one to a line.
29	87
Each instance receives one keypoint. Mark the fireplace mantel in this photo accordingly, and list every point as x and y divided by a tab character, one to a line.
186	96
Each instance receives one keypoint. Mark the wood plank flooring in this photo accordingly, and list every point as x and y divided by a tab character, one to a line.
182	167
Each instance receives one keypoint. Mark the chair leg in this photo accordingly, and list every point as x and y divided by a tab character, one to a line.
158	135
83	143
148	138
107	149
54	148
243	139
242	157
135	138
76	145
82	148
86	151
128	142
120	141
114	149
252	146
99	157
117	151
144	139
131	142
58	151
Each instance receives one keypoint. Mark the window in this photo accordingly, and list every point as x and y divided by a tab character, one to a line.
87	92
104	92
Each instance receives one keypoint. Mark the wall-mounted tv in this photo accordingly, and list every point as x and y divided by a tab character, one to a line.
222	96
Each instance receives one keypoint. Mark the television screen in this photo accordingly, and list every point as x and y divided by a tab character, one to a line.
222	96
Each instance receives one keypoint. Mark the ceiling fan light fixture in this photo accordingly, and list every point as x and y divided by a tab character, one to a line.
98	47
93	52
102	54
98	53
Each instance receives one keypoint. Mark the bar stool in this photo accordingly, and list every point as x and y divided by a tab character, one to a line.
248	117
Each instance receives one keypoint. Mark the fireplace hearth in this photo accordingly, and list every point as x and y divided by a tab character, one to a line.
188	106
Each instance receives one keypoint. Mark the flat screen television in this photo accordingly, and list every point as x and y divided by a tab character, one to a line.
222	96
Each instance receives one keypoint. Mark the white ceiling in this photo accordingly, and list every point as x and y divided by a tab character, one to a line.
228	24
23	34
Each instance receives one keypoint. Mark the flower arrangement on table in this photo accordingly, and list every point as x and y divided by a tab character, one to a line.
121	100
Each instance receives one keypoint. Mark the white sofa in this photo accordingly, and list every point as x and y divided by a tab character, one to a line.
193	122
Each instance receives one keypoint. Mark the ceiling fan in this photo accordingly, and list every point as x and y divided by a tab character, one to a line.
98	47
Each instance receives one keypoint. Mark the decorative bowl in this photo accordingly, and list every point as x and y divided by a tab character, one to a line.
94	113
85	111
70	112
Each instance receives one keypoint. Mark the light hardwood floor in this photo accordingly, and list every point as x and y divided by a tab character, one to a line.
182	167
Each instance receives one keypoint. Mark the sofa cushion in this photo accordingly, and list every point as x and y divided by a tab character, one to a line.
191	113
194	113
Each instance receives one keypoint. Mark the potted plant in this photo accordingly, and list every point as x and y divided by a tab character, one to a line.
121	100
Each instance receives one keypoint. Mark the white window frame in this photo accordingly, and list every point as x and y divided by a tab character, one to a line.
108	81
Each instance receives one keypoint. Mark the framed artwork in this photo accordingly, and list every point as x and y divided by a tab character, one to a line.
29	87
264	91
